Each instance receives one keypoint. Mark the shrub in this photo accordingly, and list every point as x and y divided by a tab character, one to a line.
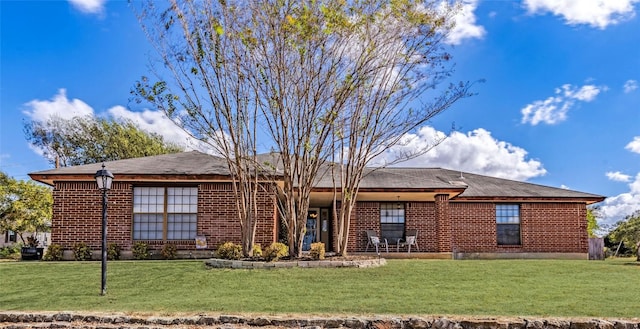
113	251
257	250
81	251
54	252
229	250
276	251
317	250
140	250
169	251
10	252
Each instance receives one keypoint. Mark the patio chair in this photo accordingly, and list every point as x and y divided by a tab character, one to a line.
374	239
410	239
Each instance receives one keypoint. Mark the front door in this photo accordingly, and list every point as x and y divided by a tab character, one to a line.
311	234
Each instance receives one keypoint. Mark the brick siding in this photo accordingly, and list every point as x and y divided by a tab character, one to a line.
77	216
446	226
443	226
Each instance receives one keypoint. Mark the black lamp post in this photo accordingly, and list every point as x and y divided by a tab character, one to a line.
104	179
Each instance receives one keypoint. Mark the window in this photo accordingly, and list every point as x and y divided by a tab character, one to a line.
165	213
508	224
10	236
392	221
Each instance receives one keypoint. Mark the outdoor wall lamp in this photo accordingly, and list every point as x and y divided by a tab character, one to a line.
103	179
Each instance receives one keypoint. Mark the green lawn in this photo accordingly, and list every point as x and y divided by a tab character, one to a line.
426	287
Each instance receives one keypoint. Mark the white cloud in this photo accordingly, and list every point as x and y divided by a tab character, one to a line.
562	186
634	145
618	176
466	27
150	121
596	13
59	105
554	109
89	6
630	86
157	122
476	152
618	207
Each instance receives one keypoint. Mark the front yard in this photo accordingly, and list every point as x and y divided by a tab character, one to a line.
564	288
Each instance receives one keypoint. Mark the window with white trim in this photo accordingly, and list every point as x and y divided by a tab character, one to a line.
508	224
165	213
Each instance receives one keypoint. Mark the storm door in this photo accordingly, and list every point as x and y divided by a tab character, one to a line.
311	234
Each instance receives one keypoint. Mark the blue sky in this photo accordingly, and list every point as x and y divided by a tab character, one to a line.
560	105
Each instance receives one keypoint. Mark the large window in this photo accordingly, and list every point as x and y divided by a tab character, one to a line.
165	213
508	224
392	221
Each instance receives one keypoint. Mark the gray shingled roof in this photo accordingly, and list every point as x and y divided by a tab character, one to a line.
184	163
476	185
197	163
486	186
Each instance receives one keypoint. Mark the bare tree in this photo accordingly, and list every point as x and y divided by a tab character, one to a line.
209	93
400	50
314	80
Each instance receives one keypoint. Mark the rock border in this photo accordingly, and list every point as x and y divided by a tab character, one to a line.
244	264
19	320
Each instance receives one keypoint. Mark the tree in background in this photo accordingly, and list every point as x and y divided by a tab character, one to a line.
592	222
25	206
312	78
627	231
83	140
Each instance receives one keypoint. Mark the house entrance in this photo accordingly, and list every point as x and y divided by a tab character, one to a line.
311	234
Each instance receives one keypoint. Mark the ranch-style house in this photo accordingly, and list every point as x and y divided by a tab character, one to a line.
183	197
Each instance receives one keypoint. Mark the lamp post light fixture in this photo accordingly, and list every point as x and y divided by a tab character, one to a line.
103	179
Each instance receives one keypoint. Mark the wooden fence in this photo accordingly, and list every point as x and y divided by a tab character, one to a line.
596	249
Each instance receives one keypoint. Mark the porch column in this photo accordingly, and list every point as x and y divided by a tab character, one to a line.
443	221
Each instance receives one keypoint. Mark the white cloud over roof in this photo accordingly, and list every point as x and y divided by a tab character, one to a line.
618	176
157	122
476	152
618	207
59	105
595	13
554	109
89	6
466	27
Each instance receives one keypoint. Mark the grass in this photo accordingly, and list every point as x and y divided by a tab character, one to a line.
427	287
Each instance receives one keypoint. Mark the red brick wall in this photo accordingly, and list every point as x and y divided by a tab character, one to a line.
468	227
77	216
544	227
418	215
554	227
422	216
474	226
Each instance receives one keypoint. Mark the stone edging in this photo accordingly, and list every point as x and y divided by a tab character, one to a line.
73	320
242	264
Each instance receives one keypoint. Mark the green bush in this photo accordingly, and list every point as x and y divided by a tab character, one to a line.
257	250
229	250
113	251
54	252
140	250
276	251
11	252
317	250
169	251
81	251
